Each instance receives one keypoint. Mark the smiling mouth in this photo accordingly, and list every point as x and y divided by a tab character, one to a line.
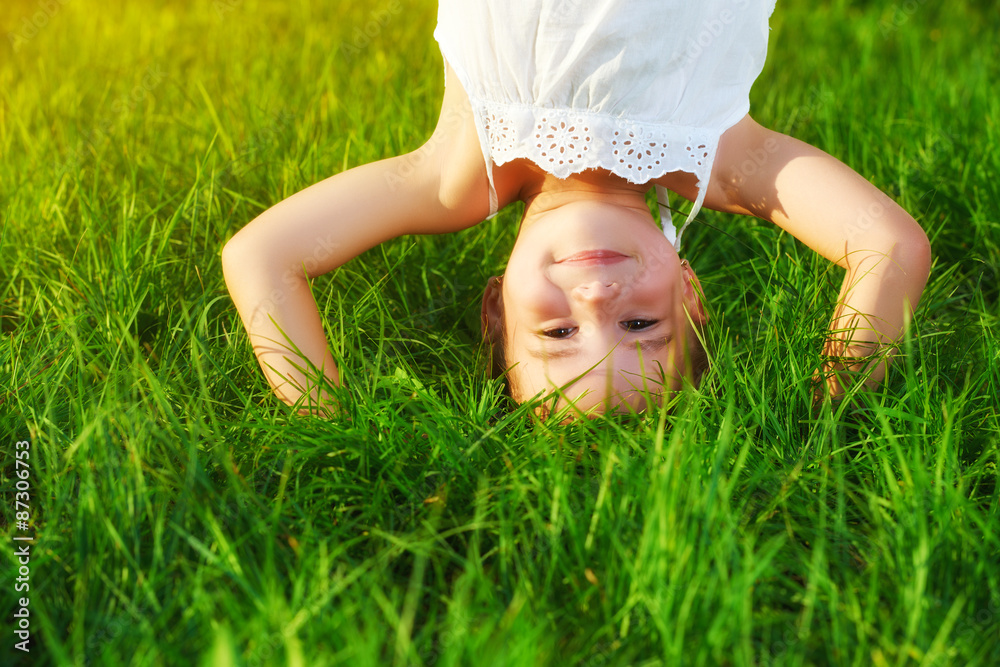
593	257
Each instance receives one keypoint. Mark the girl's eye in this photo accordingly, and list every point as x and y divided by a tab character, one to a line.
637	325
560	332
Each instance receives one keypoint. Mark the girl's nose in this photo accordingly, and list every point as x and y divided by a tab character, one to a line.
597	291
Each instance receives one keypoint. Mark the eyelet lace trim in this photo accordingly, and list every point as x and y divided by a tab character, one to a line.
566	141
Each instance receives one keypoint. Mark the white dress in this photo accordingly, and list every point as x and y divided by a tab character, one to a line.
637	87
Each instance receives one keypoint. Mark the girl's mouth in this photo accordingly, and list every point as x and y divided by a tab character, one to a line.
593	257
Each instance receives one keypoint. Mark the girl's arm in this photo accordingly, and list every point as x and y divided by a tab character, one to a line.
440	187
844	218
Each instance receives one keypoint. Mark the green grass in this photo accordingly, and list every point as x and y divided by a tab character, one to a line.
184	516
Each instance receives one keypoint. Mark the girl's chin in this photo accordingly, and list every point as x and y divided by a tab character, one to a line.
571	230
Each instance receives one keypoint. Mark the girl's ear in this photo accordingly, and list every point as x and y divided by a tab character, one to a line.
491	317
693	294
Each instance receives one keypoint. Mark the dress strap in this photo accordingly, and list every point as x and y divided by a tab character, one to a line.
666	219
694	211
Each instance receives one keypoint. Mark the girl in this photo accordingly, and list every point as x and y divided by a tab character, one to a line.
578	109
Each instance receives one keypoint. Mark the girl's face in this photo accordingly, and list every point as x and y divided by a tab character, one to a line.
593	301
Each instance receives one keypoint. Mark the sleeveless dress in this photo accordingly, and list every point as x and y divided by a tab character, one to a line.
637	87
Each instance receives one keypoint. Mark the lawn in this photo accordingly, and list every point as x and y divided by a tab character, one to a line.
181	515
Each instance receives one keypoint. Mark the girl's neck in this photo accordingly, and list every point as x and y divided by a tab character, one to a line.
580	200
595	185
